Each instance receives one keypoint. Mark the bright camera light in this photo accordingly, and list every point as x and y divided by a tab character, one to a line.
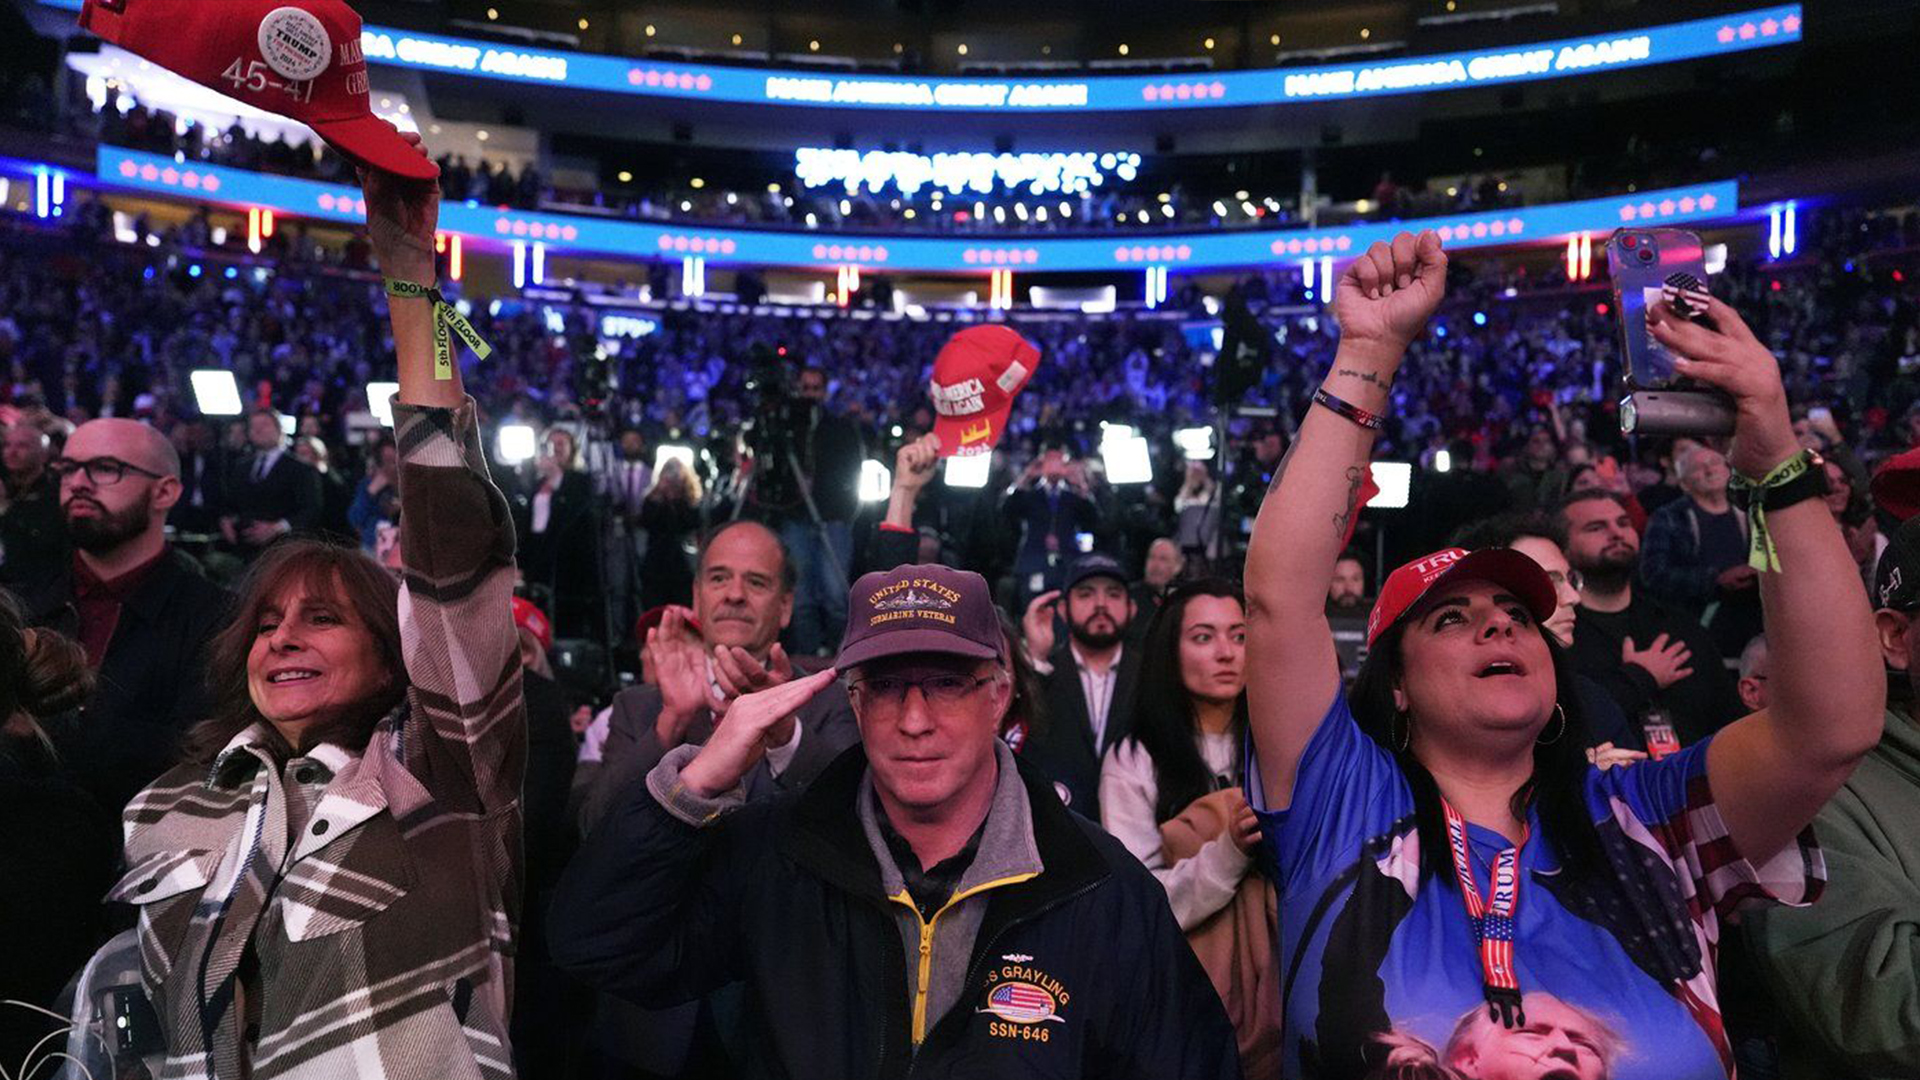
380	401
216	393
969	470
288	425
1395	481
1128	459
1195	442
876	481
672	452
515	444
1442	461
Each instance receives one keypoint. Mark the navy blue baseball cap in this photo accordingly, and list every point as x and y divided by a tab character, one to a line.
1093	565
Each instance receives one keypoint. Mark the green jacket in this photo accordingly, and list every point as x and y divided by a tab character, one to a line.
1846	970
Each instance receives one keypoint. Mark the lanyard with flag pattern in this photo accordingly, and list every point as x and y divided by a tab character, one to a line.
446	318
1493	923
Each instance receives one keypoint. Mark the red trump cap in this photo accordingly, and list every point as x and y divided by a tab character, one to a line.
527	616
975	378
1412	583
298	58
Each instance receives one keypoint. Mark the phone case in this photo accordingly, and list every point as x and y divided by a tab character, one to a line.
1646	264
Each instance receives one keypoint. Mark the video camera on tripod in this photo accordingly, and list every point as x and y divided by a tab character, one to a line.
776	430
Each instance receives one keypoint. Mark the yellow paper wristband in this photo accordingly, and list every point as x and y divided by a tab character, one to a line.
447	322
1761	554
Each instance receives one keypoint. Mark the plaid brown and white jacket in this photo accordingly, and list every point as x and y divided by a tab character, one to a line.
353	914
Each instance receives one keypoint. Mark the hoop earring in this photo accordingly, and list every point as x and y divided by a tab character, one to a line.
1560	714
1404	721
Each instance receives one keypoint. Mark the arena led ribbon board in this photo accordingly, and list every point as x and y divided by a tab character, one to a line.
1178	251
1670	43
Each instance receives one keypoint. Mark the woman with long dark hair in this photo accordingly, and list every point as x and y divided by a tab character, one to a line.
1171	792
1441	841
329	884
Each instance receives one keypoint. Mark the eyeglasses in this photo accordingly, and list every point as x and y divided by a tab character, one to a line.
1571	577
101	471
889	694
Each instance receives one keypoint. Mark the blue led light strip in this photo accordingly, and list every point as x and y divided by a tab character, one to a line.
1186	252
1754	29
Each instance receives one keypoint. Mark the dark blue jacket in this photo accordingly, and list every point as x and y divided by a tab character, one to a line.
786	898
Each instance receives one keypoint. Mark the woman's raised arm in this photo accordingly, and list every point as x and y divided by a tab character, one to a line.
403	217
466	739
1383	300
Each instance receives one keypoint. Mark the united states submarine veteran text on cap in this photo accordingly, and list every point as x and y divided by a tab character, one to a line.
924	608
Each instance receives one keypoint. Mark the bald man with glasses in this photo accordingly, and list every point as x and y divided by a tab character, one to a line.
141	608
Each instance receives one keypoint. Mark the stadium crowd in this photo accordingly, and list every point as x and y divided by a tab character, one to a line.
133	527
1154	203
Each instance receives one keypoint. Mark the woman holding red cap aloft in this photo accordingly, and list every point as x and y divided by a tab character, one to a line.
1444	847
329	884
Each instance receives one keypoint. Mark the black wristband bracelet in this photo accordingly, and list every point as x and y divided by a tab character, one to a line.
1372	421
1811	483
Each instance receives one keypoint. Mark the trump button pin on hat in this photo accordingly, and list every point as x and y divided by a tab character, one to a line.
300	59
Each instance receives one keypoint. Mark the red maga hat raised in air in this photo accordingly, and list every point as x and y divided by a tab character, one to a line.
298	58
975	379
1412	583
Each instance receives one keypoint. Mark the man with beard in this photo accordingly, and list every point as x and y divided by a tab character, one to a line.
1660	666
141	609
1347	608
1087	680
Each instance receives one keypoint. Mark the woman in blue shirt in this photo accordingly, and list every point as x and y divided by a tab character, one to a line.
1489	904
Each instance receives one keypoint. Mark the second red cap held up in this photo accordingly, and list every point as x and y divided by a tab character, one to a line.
975	379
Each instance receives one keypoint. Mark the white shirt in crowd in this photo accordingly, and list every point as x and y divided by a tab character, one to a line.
1098	687
1196	887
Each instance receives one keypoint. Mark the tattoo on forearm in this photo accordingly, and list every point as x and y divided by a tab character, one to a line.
1356	474
1364	376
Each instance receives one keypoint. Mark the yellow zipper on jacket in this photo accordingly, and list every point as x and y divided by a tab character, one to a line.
926	942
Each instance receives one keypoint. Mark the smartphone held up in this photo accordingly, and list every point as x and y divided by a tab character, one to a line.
1647	266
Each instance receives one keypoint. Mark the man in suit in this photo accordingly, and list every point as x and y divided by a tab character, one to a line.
743	598
556	519
141	609
1052	503
202	478
273	492
623	480
1087	681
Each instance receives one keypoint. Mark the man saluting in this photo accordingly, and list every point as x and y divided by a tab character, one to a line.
924	903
